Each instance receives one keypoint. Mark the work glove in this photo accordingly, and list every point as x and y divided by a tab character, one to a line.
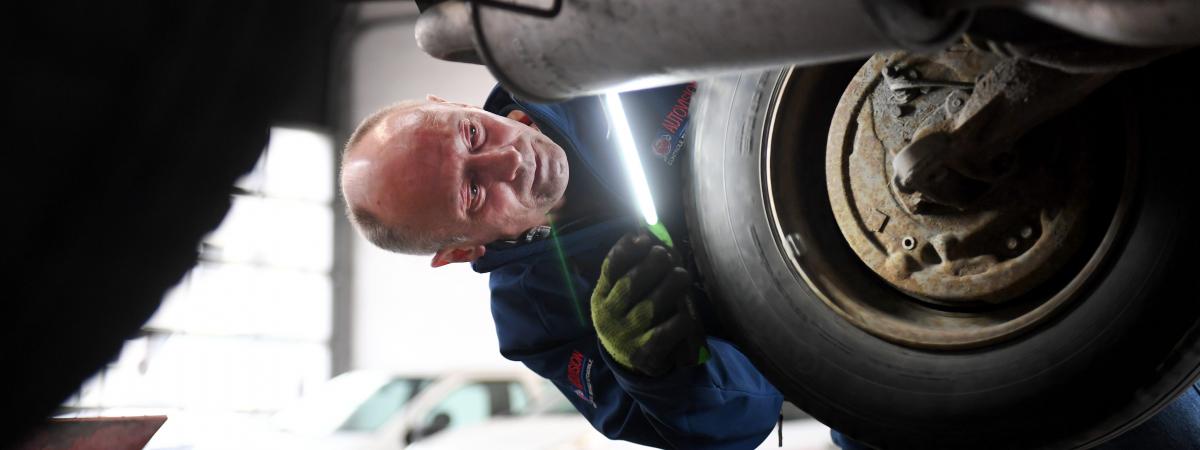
641	308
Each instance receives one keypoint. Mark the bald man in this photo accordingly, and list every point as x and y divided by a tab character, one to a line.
534	194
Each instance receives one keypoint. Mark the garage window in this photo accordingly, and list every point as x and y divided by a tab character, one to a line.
248	329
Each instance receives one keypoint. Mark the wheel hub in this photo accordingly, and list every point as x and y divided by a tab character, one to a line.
948	233
918	239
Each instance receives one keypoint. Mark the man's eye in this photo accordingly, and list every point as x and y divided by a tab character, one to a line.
474	191
473	132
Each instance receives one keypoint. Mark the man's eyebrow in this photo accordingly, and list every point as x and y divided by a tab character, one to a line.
462	201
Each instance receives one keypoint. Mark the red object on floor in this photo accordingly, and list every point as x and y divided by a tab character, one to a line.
94	433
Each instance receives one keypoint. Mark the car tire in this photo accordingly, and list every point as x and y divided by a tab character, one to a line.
1115	356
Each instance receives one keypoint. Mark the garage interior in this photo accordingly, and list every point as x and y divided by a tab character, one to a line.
180	247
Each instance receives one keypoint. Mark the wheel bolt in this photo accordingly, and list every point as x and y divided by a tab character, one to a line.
1012	243
1026	232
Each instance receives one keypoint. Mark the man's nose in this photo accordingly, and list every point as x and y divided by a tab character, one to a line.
501	164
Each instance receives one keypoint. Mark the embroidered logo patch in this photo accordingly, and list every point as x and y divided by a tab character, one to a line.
579	373
662	145
675	124
679	111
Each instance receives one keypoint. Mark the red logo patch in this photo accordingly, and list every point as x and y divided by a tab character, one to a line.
679	111
662	145
574	367
579	373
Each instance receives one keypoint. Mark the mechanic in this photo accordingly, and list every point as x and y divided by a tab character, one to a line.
535	195
579	295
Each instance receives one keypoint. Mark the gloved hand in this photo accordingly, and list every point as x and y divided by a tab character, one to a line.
642	311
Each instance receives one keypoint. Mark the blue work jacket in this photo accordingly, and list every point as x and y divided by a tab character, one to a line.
540	298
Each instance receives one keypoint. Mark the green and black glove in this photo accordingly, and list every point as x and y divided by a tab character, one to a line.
642	311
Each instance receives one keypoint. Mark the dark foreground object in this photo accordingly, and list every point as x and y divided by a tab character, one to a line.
126	125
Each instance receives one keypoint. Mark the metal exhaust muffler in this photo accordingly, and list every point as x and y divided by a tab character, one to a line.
582	47
593	46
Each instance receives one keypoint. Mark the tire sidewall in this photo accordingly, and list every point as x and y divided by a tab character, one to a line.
1056	374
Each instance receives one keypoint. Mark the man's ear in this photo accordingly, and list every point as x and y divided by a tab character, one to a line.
457	255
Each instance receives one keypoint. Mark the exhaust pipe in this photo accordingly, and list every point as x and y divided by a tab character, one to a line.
1157	23
586	47
594	46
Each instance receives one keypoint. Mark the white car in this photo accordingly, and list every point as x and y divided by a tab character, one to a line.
556	425
365	411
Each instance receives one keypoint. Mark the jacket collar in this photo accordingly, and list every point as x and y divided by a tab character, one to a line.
585	238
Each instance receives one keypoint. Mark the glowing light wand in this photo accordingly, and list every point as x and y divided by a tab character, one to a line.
633	167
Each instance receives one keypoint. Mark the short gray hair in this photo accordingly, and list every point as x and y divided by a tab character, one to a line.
373	120
396	238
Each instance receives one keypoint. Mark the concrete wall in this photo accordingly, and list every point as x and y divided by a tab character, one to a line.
406	315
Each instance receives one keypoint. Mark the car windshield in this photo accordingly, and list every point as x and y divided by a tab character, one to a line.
385	403
350	402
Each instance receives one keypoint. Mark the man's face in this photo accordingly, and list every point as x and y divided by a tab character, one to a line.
454	169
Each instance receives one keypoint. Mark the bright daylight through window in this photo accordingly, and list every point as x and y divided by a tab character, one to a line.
248	329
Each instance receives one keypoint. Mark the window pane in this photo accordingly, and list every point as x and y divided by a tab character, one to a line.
469	404
274	232
381	406
297	164
230	299
183	371
518	399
